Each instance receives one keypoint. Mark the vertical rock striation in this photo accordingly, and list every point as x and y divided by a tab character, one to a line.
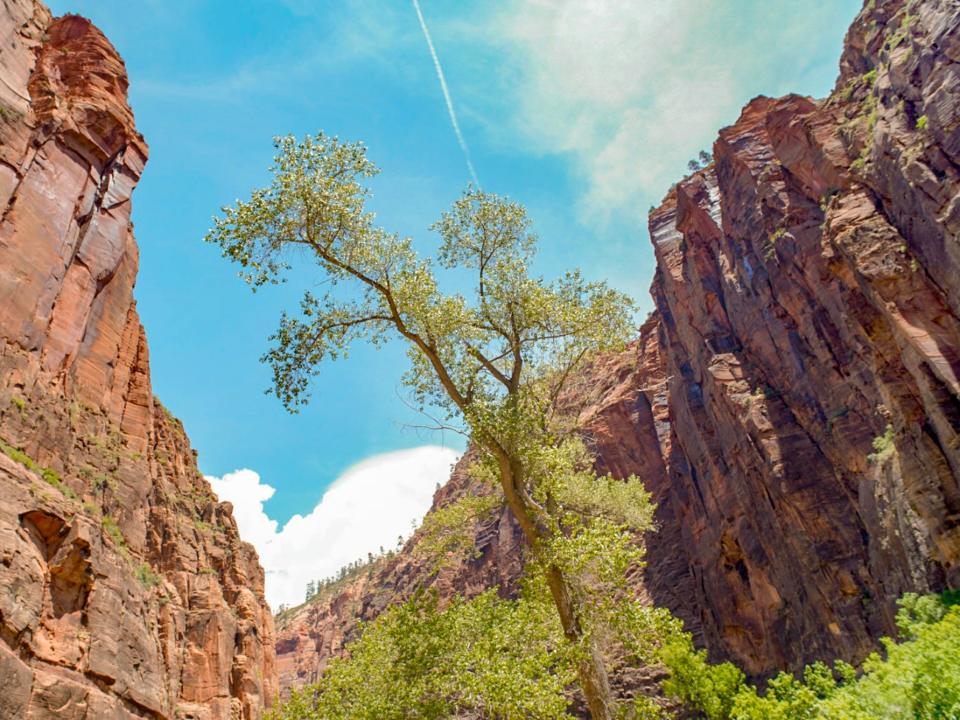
793	403
125	591
807	299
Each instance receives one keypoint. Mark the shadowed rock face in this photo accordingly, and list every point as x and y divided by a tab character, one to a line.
125	590
793	403
808	301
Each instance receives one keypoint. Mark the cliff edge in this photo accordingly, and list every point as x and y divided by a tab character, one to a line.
125	590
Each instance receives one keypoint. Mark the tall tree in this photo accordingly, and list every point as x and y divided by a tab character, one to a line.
494	359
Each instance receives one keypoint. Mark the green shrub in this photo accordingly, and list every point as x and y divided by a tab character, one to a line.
922	122
142	570
147	577
918	611
485	657
101	482
52	477
919	679
883	447
18	456
711	689
915	679
112	529
49	475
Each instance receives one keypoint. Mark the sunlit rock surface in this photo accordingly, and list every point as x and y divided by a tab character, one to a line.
125	590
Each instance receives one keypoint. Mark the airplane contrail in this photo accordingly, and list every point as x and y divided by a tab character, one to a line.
446	95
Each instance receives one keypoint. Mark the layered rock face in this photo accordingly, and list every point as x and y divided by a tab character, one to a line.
125	591
793	403
808	308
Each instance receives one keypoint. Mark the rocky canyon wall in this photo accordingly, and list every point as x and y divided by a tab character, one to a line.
807	303
793	402
125	590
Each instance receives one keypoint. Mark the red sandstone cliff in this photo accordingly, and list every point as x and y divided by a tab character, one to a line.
125	590
807	305
808	299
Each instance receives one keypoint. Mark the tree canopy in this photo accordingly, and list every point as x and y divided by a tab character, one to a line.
493	359
466	350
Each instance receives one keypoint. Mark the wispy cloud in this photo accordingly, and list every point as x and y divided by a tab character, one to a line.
367	507
446	94
631	90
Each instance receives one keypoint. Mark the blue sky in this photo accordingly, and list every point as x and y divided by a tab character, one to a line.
584	111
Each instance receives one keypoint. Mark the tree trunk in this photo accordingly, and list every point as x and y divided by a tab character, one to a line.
592	670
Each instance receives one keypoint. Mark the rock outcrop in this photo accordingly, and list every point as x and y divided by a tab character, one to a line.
125	591
793	403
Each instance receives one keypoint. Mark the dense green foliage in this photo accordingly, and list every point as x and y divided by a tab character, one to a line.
915	679
506	658
49	475
486	657
493	657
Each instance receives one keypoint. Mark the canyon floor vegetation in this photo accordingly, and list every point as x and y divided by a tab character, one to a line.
494	658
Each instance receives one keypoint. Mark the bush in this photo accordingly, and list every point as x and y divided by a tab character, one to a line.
711	689
52	477
916	679
147	577
883	447
49	475
18	456
112	529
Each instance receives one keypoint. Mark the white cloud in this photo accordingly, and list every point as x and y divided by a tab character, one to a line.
368	506
632	90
